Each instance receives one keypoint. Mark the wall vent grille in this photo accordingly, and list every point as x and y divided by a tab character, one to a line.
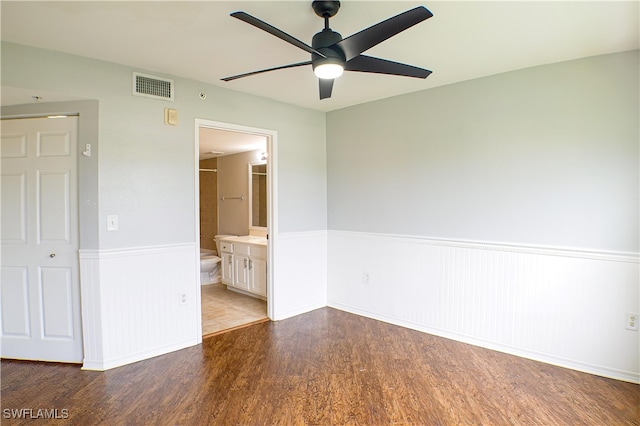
152	87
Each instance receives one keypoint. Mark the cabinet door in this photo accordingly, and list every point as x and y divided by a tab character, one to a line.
227	268
241	272
258	276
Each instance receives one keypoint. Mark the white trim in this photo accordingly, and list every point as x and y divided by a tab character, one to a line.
272	197
299	311
134	251
302	234
627	376
530	301
124	289
96	365
611	256
301	274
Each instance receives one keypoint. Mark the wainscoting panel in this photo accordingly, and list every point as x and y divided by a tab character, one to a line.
300	273
132	306
566	307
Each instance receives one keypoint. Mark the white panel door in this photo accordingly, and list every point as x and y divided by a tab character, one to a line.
39	282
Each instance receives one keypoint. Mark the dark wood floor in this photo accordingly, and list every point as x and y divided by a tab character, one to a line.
326	367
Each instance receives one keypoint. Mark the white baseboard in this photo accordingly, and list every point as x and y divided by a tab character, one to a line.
299	311
627	376
300	273
132	305
557	305
103	365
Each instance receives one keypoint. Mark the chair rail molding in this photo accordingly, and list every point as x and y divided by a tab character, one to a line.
558	305
131	303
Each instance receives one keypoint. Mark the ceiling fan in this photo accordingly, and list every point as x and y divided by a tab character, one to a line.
331	54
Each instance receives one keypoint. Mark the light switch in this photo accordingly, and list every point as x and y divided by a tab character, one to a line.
112	222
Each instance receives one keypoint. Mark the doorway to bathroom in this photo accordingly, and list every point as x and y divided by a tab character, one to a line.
234	217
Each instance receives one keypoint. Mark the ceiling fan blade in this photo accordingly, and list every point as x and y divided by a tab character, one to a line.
326	86
364	63
359	42
234	77
243	16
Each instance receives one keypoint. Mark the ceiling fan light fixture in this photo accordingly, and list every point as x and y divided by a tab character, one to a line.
331	54
328	71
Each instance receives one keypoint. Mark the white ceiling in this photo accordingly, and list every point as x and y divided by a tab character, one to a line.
219	143
199	40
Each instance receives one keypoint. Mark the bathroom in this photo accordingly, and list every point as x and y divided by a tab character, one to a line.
233	228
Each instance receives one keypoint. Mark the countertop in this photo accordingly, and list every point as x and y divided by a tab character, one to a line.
247	239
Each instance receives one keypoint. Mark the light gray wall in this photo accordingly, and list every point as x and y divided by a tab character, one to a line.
542	156
146	168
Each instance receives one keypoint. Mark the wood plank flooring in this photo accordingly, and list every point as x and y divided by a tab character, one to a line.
326	367
224	309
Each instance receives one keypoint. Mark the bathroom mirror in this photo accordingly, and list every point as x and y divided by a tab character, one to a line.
258	195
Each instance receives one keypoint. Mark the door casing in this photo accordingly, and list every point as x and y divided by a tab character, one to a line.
272	214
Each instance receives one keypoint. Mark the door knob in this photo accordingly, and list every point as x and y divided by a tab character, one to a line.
52	255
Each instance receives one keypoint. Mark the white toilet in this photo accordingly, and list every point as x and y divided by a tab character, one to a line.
209	267
210	263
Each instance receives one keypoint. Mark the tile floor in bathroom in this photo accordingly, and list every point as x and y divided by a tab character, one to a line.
224	309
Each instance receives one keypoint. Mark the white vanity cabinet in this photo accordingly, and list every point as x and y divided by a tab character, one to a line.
244	265
241	267
226	262
257	270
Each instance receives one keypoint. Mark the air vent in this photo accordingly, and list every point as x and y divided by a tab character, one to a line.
152	87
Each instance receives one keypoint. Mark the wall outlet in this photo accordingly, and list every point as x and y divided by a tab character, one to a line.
112	222
632	322
365	278
182	299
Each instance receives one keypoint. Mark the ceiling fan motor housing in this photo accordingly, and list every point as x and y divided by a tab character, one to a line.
322	42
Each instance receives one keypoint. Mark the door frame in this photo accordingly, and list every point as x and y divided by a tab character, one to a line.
272	203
